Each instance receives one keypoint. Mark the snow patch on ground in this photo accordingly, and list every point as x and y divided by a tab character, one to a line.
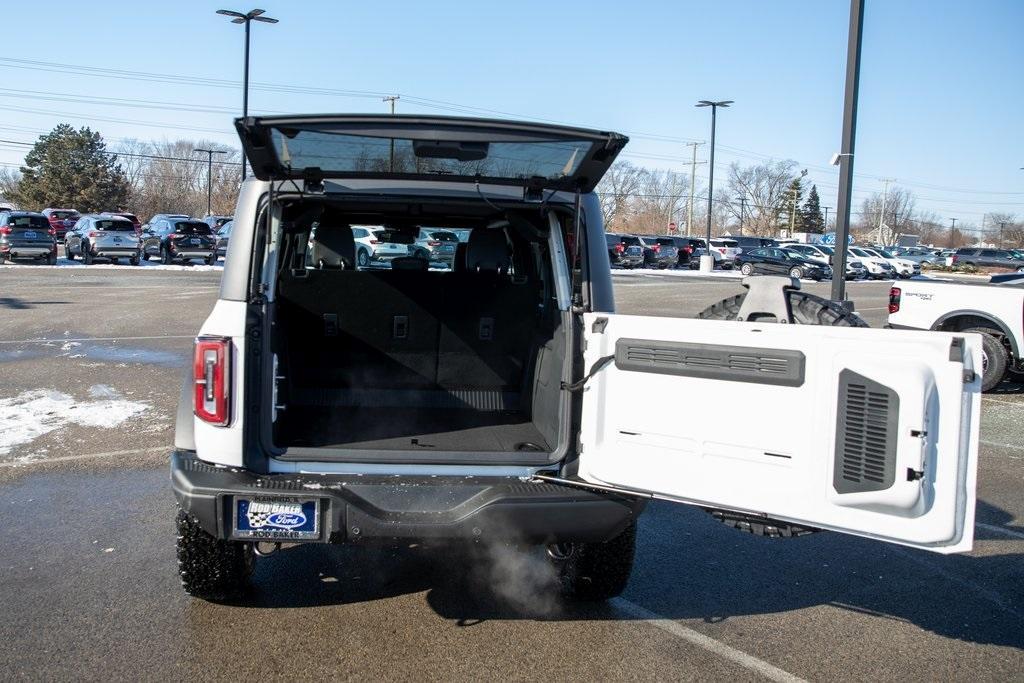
143	265
34	413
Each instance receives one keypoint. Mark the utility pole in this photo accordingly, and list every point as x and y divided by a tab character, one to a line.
693	184
846	152
1002	224
881	214
209	176
392	99
743	211
826	216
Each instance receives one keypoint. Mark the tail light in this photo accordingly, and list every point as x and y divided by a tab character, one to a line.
5	230
52	230
211	374
894	299
175	235
955	258
656	248
374	242
93	233
433	244
721	249
620	248
688	250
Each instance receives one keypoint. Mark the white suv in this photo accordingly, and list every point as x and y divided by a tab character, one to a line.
504	401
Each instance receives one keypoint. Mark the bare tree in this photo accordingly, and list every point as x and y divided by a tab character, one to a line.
616	190
764	186
899	218
1004	230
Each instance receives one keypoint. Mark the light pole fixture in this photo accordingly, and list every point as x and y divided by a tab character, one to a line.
209	176
707	262
248	18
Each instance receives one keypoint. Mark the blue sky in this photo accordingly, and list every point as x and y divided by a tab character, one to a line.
941	85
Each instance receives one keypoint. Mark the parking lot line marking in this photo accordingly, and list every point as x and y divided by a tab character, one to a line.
747	661
1016	447
1000	530
61	340
85	456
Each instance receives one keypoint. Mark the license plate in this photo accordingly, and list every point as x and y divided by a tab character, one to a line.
276	518
117	240
194	240
30	234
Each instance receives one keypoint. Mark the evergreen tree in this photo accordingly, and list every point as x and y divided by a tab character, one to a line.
811	217
71	168
793	196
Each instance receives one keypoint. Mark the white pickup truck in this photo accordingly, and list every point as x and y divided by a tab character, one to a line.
993	309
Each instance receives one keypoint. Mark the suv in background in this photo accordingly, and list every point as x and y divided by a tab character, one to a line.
728	248
179	239
625	251
61	220
987	258
686	248
98	236
216	222
27	234
130	216
823	253
505	403
659	252
436	245
750	242
223	238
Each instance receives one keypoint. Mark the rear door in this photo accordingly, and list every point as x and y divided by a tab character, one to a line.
535	156
855	430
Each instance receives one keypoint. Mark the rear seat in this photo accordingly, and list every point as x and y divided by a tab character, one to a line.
488	323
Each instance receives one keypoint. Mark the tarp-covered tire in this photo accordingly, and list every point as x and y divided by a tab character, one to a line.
599	571
808	309
211	568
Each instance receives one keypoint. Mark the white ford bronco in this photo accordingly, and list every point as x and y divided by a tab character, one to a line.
502	399
994	309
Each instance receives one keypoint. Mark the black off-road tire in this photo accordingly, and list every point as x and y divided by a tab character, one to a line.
807	310
996	360
598	571
211	568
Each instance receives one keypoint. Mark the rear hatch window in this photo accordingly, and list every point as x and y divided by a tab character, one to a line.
192	228
119	225
28	223
61	215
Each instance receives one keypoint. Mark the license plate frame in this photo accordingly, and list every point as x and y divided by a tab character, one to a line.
275	518
31	235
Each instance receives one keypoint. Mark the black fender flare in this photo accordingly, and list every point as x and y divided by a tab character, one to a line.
998	324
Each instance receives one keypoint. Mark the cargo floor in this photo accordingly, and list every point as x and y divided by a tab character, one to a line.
389	429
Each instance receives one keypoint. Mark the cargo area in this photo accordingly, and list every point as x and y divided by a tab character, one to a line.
417	358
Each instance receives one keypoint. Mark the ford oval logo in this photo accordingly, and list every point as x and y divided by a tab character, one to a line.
286	520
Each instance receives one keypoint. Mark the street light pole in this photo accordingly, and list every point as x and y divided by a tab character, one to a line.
209	176
247	19
845	156
707	262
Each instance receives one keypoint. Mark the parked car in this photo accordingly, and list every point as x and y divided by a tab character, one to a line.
223	238
745	242
61	220
659	252
728	248
625	251
27	235
778	261
98	236
216	222
486	406
824	254
992	310
920	255
987	258
687	248
130	216
179	239
903	267
436	245
878	268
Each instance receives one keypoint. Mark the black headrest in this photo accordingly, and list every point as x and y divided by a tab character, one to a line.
409	263
487	251
459	265
335	247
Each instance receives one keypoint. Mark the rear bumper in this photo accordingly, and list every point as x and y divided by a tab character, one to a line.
382	508
627	261
193	253
34	251
116	251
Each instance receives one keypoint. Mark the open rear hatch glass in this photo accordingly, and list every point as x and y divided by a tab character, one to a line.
534	156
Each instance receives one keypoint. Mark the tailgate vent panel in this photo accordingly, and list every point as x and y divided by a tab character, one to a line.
778	367
867	420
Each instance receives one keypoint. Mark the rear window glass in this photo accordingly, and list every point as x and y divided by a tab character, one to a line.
29	222
996	253
444	236
393	237
724	243
629	239
64	214
192	228
115	225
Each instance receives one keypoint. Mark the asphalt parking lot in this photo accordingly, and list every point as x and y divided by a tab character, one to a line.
90	363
